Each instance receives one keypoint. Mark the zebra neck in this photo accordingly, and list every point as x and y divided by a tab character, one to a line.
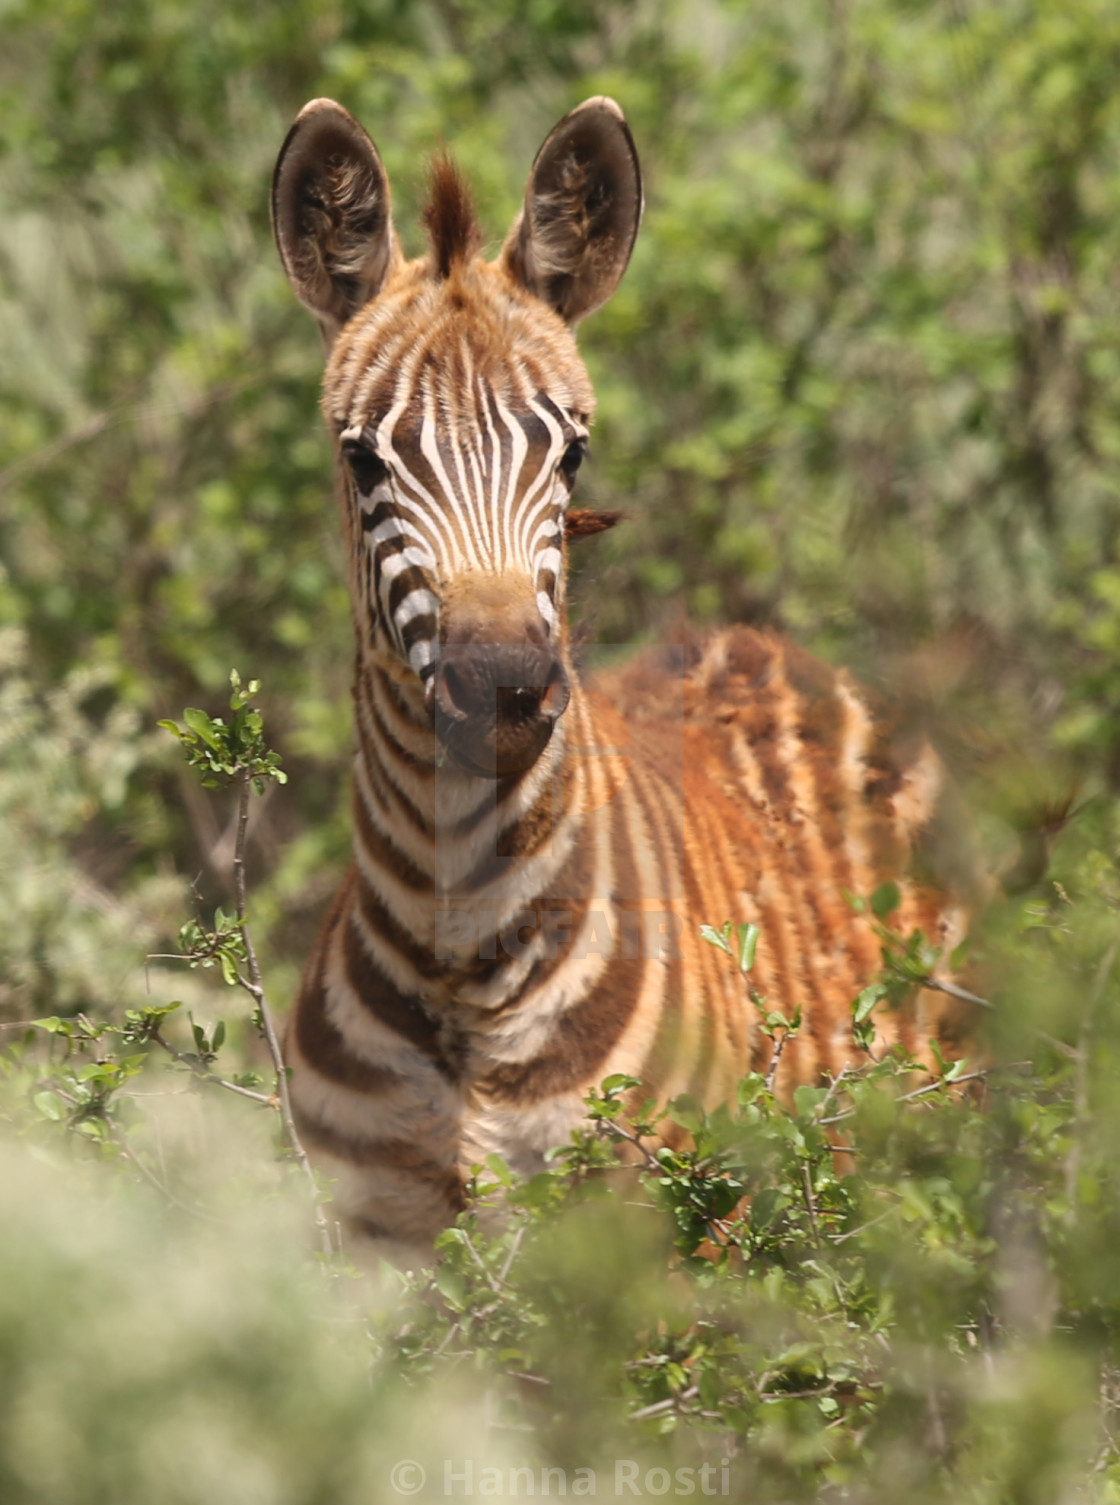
446	861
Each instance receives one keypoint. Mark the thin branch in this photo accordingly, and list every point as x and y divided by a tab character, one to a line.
661	1406
833	1088
513	1248
197	1069
939	985
616	1128
906	1097
840	1238
255	987
164	1191
480	1262
830	1389
451	1332
779	1046
810	1201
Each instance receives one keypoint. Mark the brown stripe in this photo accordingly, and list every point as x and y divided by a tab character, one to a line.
586	1033
323	1046
804	883
384	1154
392	797
568	894
405	1015
657	800
391	747
383	854
381	923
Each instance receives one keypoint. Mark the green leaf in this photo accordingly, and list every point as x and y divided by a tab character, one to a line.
687	1112
765	1207
885	900
499	1169
719	938
619	1082
865	1001
202	726
748	942
452	1287
50	1106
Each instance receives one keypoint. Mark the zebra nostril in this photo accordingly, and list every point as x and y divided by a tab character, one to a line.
557	693
518	684
452	695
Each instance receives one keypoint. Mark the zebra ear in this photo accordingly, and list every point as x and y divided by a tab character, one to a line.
571	242
330	214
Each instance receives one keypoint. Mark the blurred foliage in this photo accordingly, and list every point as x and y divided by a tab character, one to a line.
861	382
889	1285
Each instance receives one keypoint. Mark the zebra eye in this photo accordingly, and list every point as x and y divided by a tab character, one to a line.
572	458
369	470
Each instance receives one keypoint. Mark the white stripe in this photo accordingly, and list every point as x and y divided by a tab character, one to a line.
392	528
429	448
417	603
395	564
519	450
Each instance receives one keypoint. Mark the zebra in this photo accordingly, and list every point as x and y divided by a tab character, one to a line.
533	855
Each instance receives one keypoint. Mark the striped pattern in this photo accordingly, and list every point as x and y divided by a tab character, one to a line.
498	946
573	900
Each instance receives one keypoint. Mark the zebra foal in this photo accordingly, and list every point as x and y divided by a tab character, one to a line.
533	856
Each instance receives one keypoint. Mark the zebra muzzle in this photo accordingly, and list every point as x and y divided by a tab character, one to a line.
494	705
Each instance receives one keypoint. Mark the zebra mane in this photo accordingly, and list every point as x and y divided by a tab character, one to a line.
449	215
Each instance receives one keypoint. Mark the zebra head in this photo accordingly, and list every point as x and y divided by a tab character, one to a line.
460	409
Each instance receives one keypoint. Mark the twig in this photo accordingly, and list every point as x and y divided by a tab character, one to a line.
810	1201
165	1191
906	1097
840	1238
633	1139
451	1332
513	1248
1081	1077
665	1405
480	1262
832	1088
938	985
772	1395
254	986
779	1046
198	1070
